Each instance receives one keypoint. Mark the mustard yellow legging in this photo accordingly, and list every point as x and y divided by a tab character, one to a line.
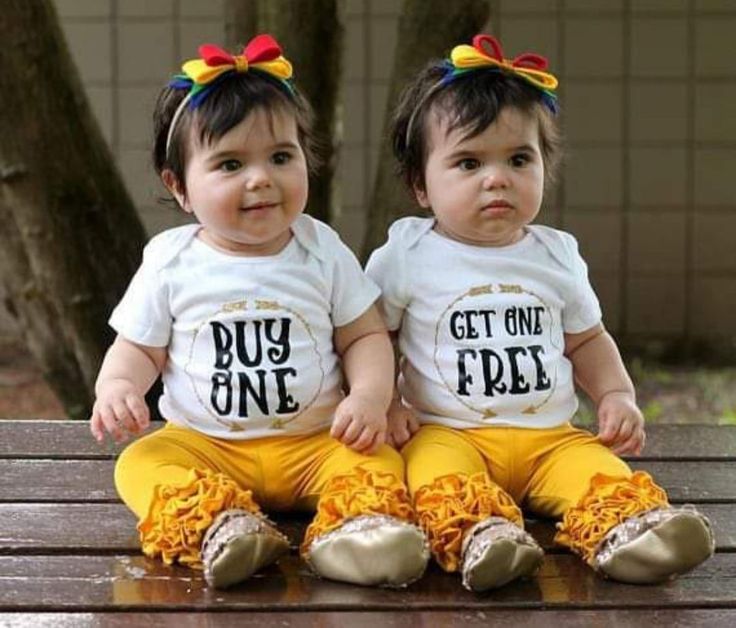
177	480
459	477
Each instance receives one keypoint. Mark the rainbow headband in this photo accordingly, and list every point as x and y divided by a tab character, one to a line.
201	76
486	54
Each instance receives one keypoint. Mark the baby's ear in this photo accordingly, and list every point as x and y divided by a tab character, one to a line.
175	188
421	195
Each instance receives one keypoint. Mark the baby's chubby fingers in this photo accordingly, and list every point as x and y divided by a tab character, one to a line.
139	411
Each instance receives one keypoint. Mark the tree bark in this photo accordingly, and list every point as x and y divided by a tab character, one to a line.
427	29
71	237
311	33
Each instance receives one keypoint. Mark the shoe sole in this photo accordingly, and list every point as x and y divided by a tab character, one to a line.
504	561
671	548
391	557
243	556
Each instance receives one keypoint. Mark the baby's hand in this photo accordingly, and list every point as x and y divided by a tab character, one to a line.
360	423
621	424
119	410
402	424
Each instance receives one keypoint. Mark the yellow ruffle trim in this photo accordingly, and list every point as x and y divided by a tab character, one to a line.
452	504
608	502
179	515
358	493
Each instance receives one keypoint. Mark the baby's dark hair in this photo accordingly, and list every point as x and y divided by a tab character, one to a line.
232	100
470	102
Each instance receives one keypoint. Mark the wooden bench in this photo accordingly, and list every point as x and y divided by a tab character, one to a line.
69	555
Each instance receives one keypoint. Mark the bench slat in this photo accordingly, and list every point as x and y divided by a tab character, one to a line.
71	439
85	583
398	618
92	480
61	528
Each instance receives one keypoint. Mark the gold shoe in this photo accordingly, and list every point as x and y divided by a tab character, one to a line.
495	552
655	546
237	544
371	550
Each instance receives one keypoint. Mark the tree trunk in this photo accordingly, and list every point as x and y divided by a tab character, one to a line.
427	29
311	33
71	237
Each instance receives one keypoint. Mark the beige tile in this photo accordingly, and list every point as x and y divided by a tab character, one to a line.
384	7
658	176
657	47
378	112
355	8
140	179
91	51
354	50
351	176
714	112
351	227
193	34
608	288
593	177
655	305
714	46
355	97
592	111
135	110
202	8
658	111
383	45
594	5
657	242
531	35
145	52
594	47
100	99
599	238
714	302
714	177
526	6
146	8
713	241
157	218
715	5
82	8
661	6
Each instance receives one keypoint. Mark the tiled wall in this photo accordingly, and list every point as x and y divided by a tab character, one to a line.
647	88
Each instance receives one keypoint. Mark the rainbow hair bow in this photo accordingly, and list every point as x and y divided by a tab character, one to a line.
486	53
262	54
201	76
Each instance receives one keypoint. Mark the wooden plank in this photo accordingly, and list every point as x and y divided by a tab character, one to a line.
92	480
71	439
86	583
109	528
400	618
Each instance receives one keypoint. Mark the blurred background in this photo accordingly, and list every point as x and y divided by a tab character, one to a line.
647	91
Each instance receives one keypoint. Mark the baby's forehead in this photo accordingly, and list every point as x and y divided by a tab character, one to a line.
274	124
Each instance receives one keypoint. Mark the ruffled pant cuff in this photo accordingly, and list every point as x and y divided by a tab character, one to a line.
180	514
452	504
608	502
358	493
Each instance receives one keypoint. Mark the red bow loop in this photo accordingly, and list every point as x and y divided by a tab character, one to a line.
214	55
530	60
483	42
262	48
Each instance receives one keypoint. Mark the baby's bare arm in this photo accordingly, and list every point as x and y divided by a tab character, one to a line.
367	361
127	372
600	372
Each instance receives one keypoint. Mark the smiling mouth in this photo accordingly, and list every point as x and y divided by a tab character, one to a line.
258	206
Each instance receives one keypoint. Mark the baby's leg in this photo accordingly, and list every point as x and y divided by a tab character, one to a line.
619	522
472	524
363	531
186	490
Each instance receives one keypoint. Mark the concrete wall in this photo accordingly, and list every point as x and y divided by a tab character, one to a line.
647	88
